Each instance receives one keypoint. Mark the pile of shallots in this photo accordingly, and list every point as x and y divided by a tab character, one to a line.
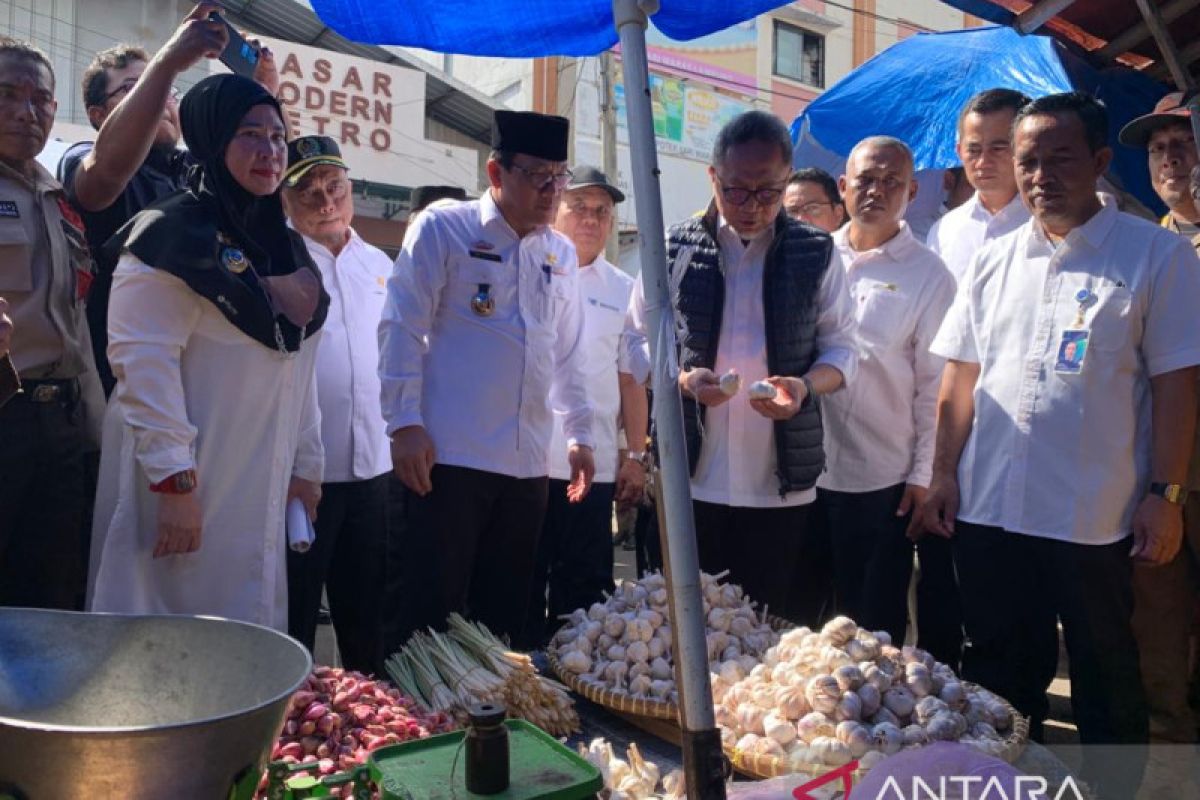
624	644
846	693
337	718
635	779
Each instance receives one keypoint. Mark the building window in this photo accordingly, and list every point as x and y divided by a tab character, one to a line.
799	55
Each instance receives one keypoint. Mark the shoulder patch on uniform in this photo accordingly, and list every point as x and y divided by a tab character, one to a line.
8	209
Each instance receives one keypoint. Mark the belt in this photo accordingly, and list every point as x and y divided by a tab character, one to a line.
50	391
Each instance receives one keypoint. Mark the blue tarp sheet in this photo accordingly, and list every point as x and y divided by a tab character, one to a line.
523	29
915	89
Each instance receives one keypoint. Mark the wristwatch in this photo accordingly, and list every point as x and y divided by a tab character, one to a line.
1171	492
810	396
642	458
179	483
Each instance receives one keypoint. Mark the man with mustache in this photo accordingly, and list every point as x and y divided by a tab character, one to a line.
1165	597
1056	479
481	341
45	269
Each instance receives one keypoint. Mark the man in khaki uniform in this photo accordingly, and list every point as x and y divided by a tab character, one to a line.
1165	597
45	271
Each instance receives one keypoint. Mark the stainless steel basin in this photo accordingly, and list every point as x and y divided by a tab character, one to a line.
132	707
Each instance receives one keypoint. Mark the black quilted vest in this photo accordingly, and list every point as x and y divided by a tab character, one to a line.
795	263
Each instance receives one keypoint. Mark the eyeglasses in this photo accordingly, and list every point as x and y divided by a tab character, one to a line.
738	196
314	195
541	178
601	213
809	209
128	85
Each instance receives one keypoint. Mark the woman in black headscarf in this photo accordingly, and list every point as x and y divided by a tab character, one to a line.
213	426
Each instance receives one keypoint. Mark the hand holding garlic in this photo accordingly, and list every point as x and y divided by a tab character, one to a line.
784	404
703	385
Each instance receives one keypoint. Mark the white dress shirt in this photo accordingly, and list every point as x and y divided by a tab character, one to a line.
194	392
737	458
604	291
484	386
879	431
962	231
1067	455
352	427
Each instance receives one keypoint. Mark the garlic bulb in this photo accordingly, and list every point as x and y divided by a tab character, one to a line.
914	736
900	701
730	383
839	630
830	751
761	390
887	738
640	686
748	743
884	715
823	694
750	719
954	695
814	725
927	707
848	708
942	727
871	699
918	679
792	702
870	759
778	728
849	677
576	662
875	676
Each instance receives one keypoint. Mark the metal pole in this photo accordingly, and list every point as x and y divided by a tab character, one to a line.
1166	46
703	762
608	142
1039	14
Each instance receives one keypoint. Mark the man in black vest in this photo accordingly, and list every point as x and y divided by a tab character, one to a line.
754	297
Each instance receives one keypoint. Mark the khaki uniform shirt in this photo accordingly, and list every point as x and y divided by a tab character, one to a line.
45	271
1170	224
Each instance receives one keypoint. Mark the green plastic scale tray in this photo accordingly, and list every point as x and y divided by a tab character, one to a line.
539	768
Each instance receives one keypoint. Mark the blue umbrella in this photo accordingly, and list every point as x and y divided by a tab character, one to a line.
929	77
524	28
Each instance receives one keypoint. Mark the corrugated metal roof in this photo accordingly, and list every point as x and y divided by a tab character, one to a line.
447	100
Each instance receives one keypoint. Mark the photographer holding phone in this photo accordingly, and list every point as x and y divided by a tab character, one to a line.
131	99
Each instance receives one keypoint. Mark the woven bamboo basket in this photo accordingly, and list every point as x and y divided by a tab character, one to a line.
655	709
764	767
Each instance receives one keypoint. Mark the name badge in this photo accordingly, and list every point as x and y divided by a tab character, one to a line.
485	256
1072	350
9	210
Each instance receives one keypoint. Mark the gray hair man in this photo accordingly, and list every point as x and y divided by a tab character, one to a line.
575	560
1165	595
757	298
879	430
347	558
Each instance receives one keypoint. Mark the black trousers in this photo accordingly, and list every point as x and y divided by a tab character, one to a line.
768	552
939	608
872	558
348	560
646	542
574	559
1015	588
44	502
470	547
393	593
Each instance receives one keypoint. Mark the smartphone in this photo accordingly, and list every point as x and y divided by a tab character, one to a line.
10	382
239	55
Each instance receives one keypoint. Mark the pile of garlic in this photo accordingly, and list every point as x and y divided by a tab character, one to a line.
635	779
846	693
624	644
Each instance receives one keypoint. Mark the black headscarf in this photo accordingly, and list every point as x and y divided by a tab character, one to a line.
224	242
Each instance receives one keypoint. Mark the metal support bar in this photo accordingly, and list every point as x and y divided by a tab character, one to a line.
1038	15
1166	46
1138	33
703	761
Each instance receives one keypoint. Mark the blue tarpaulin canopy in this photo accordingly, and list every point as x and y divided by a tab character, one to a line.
520	28
915	89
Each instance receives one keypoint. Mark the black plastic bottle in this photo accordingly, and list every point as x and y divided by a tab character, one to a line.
487	749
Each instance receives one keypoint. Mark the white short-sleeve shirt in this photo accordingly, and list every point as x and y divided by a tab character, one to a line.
1058	454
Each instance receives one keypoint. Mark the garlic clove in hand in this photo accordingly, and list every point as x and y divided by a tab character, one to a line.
761	390
731	382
